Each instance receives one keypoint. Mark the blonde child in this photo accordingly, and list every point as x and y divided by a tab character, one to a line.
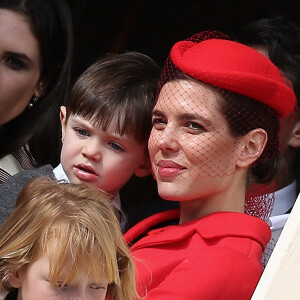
63	241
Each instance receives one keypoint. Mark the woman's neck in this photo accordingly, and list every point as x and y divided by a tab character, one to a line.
230	199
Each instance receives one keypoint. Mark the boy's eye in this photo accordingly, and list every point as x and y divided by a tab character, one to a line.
116	146
14	63
82	132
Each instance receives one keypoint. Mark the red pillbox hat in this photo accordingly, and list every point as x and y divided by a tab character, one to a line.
235	67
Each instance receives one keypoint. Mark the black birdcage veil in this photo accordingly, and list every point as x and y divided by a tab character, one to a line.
206	107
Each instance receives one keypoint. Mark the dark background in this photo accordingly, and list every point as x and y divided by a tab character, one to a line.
153	26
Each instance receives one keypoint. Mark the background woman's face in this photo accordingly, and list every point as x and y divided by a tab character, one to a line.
192	152
20	65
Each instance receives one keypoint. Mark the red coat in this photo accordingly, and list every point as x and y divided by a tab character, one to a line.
216	257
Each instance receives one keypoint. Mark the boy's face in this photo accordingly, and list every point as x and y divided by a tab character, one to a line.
33	283
100	158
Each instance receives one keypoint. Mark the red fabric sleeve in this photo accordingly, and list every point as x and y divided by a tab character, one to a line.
218	274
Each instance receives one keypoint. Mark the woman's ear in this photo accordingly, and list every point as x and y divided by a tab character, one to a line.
14	280
144	169
294	140
63	121
252	146
39	89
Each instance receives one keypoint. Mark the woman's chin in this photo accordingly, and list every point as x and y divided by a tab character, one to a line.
169	193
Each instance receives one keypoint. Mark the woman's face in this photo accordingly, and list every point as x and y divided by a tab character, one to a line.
192	152
20	66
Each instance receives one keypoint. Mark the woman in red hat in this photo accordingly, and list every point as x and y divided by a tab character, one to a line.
215	132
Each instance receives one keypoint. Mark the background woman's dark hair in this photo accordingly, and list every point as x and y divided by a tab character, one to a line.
39	126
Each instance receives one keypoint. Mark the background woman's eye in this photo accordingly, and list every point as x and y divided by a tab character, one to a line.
14	63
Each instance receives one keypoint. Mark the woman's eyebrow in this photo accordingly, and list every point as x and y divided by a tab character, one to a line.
157	113
188	116
184	116
194	117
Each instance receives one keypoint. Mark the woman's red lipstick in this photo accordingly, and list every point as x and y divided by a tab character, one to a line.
169	168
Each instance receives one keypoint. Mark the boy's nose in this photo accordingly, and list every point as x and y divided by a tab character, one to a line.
92	151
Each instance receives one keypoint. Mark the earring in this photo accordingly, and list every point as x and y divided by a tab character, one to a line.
33	101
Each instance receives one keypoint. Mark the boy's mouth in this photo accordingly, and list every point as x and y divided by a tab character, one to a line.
85	172
86	169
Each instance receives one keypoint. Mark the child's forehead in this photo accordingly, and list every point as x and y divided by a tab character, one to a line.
98	122
48	262
58	252
112	127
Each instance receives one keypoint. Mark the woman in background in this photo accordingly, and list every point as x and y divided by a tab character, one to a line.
35	49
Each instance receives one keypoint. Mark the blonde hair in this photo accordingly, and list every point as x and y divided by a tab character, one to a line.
81	222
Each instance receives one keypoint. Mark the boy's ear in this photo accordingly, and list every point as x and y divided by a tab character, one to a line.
14	280
63	121
144	169
252	146
294	140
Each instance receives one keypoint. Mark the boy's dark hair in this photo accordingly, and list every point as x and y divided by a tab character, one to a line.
123	84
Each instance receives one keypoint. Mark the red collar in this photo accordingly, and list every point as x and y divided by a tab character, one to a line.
215	225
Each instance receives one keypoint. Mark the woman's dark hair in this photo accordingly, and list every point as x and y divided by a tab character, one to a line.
244	114
125	84
39	126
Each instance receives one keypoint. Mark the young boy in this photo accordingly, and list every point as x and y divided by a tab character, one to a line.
105	128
